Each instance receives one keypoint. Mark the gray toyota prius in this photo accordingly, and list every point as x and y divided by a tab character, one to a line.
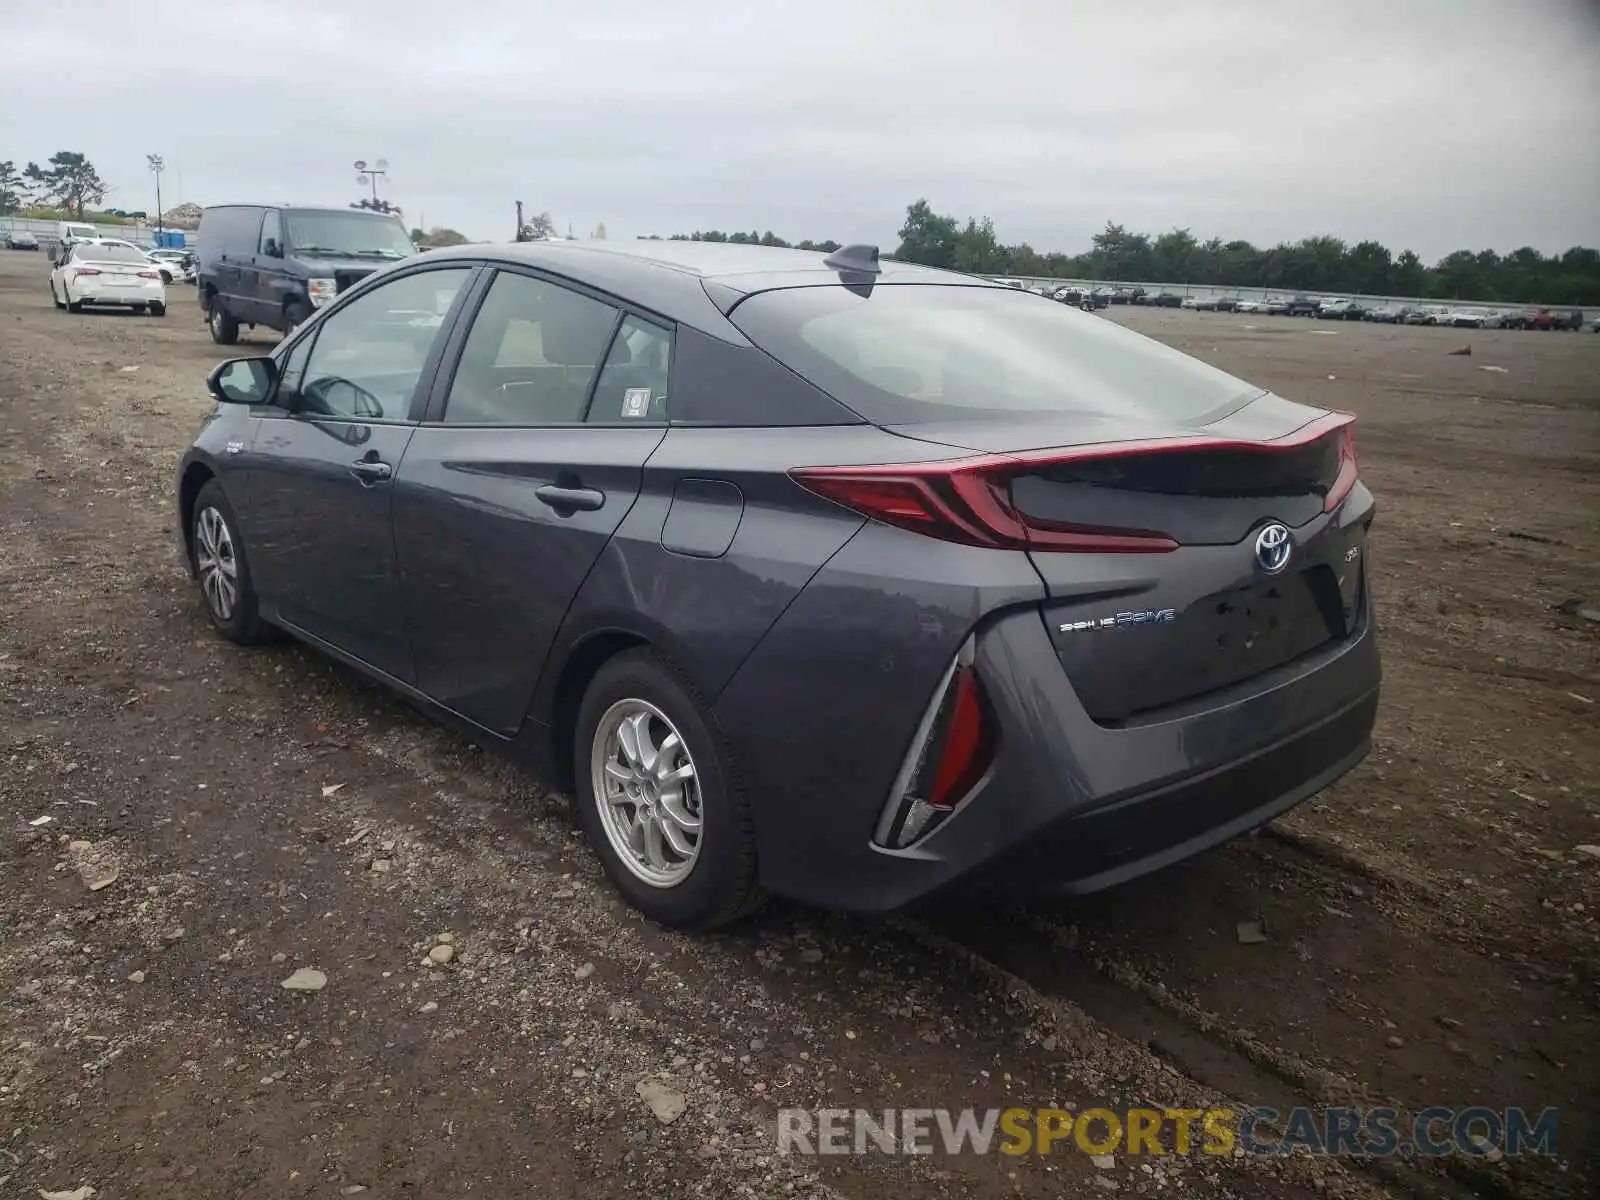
832	577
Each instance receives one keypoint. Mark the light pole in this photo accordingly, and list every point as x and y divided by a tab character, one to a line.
372	174
157	165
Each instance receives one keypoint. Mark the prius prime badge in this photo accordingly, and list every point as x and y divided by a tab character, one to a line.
1273	547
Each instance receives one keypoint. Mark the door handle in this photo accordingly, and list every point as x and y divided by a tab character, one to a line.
572	498
370	471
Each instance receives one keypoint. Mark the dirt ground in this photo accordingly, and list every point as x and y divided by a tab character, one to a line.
220	818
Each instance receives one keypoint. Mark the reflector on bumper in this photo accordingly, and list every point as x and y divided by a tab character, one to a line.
950	754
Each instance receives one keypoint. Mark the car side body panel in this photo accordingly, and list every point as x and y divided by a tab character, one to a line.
824	710
706	610
489	569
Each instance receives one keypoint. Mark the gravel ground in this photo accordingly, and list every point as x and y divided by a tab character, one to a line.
469	1010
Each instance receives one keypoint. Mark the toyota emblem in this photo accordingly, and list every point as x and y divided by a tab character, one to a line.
1273	547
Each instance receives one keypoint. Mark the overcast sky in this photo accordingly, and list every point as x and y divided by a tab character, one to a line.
1429	124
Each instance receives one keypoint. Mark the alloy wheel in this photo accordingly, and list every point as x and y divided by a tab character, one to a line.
647	792
216	563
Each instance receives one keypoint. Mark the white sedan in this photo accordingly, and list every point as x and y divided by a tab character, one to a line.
169	263
99	273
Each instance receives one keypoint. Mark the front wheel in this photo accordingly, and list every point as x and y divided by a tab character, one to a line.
227	590
660	799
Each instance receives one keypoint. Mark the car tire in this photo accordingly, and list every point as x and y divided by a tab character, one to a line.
73	306
716	882
215	547
55	299
166	277
224	328
158	310
295	314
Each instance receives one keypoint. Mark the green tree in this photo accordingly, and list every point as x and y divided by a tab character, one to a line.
1116	254
70	180
540	226
1409	277
1174	257
978	250
1321	264
1457	277
12	188
928	238
1369	268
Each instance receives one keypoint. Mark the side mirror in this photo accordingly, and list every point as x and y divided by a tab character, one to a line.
272	249
243	380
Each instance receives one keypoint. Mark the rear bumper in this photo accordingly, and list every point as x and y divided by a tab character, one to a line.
1071	806
105	295
1091	850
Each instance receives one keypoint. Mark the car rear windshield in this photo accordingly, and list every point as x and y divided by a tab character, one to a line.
908	353
100	252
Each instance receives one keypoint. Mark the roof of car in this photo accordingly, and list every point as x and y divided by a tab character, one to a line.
309	208
679	279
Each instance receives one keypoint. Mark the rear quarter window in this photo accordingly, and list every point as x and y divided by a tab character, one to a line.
909	353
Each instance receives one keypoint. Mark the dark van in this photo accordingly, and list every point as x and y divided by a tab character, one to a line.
274	264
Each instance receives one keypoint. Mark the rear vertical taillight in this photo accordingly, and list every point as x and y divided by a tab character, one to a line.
1349	470
950	754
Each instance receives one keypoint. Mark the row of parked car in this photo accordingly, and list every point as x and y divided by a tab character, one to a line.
1310	306
173	265
1398	314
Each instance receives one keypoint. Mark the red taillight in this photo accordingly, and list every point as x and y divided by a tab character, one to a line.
1349	469
149	275
966	753
968	500
951	752
88	270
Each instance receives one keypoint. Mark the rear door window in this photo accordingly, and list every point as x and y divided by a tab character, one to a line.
531	356
913	353
633	383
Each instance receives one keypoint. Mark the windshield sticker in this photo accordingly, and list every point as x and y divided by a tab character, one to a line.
635	402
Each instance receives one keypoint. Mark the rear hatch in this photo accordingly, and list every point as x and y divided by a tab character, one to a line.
1187	526
1151	548
1260	575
